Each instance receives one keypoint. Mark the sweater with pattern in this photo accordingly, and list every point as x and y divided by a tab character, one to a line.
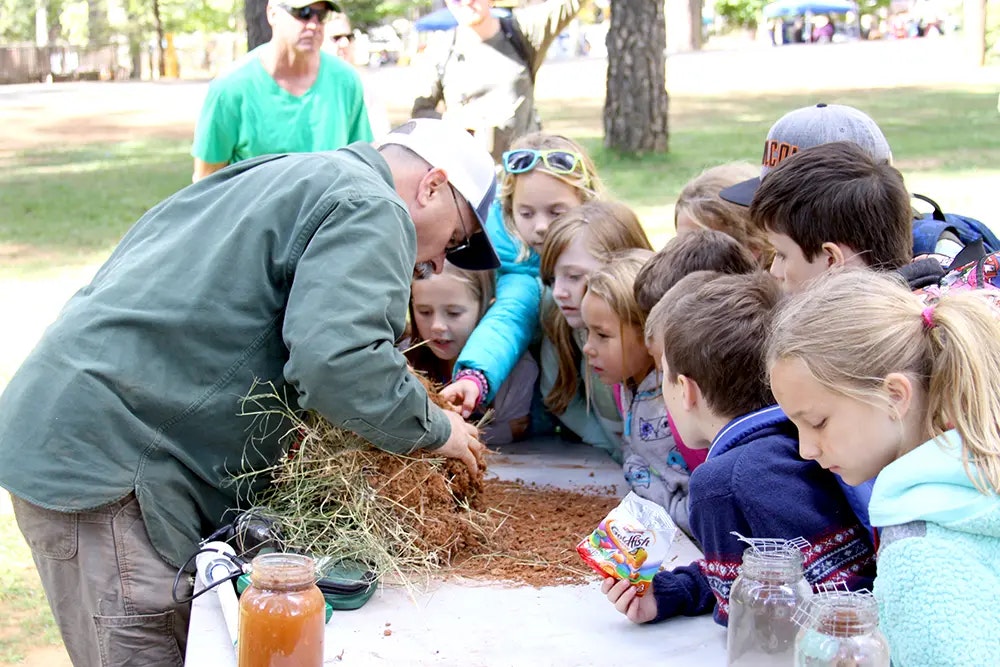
755	483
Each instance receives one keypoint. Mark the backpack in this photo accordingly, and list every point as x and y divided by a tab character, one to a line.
931	228
516	38
982	273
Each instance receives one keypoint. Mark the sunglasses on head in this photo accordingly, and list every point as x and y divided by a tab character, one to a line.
521	160
308	12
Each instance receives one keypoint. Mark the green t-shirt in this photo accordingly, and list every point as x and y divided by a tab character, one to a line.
247	114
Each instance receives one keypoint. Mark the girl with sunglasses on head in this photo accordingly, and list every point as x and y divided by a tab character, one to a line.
544	175
579	243
444	310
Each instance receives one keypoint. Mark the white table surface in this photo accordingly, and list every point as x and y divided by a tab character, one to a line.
473	623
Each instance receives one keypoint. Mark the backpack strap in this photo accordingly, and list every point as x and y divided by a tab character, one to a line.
443	65
516	38
972	252
938	213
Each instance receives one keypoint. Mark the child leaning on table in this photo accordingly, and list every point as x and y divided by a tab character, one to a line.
880	384
544	175
578	243
695	250
444	310
699	207
616	352
712	329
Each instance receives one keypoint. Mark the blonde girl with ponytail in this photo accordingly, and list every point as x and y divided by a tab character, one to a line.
881	384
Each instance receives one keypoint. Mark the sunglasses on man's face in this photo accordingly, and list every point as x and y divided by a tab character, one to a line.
308	13
558	162
349	36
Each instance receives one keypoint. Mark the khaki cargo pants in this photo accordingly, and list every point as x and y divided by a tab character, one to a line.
108	588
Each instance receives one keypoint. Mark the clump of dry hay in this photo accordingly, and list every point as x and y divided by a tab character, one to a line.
337	495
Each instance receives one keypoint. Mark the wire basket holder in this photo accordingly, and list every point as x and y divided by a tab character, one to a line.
771	545
826	595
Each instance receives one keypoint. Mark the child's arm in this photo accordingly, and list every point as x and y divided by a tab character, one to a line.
681	592
505	331
765	490
577	417
512	407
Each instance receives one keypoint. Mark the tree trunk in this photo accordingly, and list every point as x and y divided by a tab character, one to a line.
696	25
683	25
97	23
258	29
635	106
158	23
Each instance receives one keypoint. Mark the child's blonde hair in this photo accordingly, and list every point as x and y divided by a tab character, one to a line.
482	286
614	284
853	328
607	227
584	177
701	202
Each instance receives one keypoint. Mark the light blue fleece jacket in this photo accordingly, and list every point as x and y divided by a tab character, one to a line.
938	581
503	334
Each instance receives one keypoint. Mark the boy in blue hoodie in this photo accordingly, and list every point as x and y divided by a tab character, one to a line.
712	329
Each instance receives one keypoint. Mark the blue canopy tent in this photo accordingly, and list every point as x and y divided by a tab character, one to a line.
803	7
443	19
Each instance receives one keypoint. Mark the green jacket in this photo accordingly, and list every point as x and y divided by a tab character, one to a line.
288	269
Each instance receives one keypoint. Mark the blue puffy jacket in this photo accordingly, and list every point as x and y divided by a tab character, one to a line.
504	333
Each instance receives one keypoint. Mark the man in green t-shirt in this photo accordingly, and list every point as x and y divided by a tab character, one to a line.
285	96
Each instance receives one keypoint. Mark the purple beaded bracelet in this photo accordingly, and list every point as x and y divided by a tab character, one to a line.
479	378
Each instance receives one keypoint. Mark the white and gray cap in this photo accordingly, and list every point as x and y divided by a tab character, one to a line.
808	127
470	171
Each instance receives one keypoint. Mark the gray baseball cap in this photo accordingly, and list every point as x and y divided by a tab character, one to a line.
808	127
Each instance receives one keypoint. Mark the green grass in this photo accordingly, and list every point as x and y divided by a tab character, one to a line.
947	160
66	207
71	206
27	621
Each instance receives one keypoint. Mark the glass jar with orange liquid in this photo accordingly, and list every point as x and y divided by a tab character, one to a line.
282	614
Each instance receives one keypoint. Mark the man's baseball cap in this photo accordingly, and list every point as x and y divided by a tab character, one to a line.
299	4
470	171
808	127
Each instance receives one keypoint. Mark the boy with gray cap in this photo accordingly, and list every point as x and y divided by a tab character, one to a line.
812	126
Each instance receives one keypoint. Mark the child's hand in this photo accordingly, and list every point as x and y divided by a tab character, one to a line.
463	394
623	596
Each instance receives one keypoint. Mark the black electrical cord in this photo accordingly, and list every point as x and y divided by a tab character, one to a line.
177	579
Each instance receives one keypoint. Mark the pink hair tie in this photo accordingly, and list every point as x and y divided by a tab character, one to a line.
928	316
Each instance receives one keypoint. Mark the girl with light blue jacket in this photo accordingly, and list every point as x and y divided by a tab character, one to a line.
879	382
544	175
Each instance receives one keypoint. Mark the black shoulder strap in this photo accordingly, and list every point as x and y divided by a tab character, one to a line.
516	39
442	65
972	252
938	213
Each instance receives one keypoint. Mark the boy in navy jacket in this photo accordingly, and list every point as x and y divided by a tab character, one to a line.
712	329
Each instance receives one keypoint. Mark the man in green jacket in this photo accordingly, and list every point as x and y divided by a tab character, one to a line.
120	433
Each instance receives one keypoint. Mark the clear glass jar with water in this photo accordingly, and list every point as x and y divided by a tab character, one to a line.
762	603
841	631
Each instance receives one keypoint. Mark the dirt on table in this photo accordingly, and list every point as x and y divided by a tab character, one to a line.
493	529
537	530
